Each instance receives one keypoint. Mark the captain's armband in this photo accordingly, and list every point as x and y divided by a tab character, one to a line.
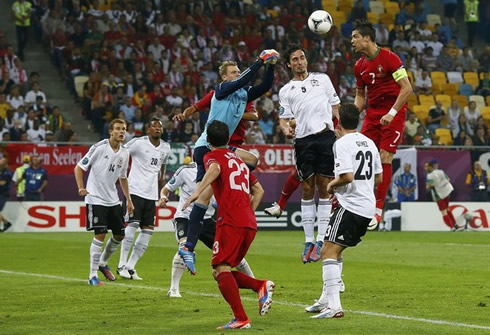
399	74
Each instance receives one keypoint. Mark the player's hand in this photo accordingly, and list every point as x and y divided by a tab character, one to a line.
269	56
179	117
82	192
334	201
190	200
386	119
163	201
130	207
330	188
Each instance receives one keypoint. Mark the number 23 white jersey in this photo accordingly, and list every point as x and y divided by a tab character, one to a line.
357	154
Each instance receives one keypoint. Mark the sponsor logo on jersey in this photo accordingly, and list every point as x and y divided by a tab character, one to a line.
341	237
106	157
172	181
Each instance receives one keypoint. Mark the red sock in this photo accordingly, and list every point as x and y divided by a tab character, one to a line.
447	221
245	281
292	184
451	218
229	290
382	189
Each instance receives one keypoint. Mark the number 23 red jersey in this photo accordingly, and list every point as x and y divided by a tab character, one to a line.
377	75
232	189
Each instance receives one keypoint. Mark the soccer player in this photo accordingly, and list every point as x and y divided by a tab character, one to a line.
381	72
108	160
5	182
227	105
440	186
311	100
236	226
185	178
149	156
357	169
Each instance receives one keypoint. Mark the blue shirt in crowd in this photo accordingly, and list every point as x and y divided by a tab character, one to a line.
34	178
5	175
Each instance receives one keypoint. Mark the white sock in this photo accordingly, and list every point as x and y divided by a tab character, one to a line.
340	262
381	225
323	213
139	247
308	219
245	268
178	268
109	249
331	280
126	244
95	251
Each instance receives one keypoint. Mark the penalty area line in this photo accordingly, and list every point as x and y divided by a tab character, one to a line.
280	302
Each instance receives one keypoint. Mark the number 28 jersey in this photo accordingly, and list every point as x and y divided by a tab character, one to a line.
357	154
232	189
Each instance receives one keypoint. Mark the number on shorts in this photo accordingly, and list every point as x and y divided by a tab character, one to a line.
244	186
328	230
361	173
215	247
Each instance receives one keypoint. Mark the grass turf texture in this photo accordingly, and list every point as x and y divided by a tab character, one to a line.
437	276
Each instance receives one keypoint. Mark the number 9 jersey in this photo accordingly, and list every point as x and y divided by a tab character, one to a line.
357	154
232	189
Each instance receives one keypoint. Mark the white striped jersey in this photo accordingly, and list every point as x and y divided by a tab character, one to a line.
146	164
185	178
106	166
357	154
309	102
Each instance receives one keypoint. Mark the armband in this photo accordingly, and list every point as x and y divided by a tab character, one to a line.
393	112
399	74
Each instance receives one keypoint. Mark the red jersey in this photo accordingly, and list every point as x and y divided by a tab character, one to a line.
376	74
238	136
232	189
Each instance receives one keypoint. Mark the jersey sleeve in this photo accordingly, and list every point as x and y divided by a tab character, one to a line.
252	179
395	66
285	111
205	102
333	97
250	107
89	157
176	181
378	168
132	146
343	159
124	170
166	157
357	74
209	159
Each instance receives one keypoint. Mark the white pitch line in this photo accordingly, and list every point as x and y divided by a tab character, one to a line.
284	303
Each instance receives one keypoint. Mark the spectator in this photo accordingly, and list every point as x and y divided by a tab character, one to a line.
20	116
255	135
402	43
472	113
411	125
465	60
138	122
462	126
128	108
15	99
267	125
453	112
130	133
36	133
436	116
174	99
413	60
49	137
36	179
140	96
5	181
21	10
416	42
428	61
4	106
477	182
460	138
382	35
55	120
450	7
17	177
422	137
6	83
471	19
170	134
358	12
480	139
65	133
186	132
423	84
18	73
445	60
435	44
406	184
484	87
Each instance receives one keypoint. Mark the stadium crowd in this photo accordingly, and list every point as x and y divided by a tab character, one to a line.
141	59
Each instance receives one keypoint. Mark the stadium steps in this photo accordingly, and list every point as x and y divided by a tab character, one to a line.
38	60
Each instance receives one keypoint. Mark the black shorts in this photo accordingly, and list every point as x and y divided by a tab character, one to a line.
144	211
102	218
346	228
207	233
199	154
314	155
3	200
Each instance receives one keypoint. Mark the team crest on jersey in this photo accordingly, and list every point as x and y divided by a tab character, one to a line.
85	161
119	163
380	68
96	220
172	181
315	82
281	110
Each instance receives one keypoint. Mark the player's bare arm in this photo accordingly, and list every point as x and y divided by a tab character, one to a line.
335	111
164	194
79	179
405	92
257	192
161	176
341	180
286	128
186	114
125	187
211	174
250	116
360	99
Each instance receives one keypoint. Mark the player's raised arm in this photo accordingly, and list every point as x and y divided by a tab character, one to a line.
255	92
205	102
227	87
211	174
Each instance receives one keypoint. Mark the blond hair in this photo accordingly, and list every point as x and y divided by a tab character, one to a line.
113	122
224	66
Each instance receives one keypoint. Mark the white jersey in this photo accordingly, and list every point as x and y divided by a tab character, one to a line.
185	178
357	154
309	102
106	167
442	185
146	164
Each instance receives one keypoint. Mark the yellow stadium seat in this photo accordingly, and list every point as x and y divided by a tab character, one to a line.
436	88
345	6
480	101
386	18
438	75
330	8
444	99
376	7
482	75
433	19
488	100
372	17
392	7
450	89
461	99
426	99
422	113
79	82
471	78
439	81
412	101
410	77
338	17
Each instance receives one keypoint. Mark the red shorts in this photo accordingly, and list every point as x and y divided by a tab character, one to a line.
231	244
385	137
443	204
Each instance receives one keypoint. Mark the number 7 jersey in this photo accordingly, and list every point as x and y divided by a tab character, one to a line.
357	154
232	189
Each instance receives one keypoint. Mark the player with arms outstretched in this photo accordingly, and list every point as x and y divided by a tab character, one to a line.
381	72
149	156
227	105
236	225
108	163
357	169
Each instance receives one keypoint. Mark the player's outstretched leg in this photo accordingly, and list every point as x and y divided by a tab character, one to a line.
95	252
110	247
292	184
229	289
245	268
178	268
264	288
126	244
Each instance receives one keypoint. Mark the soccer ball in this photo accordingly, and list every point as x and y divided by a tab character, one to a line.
320	22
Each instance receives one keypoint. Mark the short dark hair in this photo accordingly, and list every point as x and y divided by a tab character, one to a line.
365	28
218	133
292	48
349	116
154	119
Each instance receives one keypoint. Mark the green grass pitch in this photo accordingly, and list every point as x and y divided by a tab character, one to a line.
396	283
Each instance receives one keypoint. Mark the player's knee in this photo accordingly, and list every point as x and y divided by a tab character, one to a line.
386	156
215	274
148	227
118	237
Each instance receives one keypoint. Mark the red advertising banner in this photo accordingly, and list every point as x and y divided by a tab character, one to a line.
57	160
273	158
